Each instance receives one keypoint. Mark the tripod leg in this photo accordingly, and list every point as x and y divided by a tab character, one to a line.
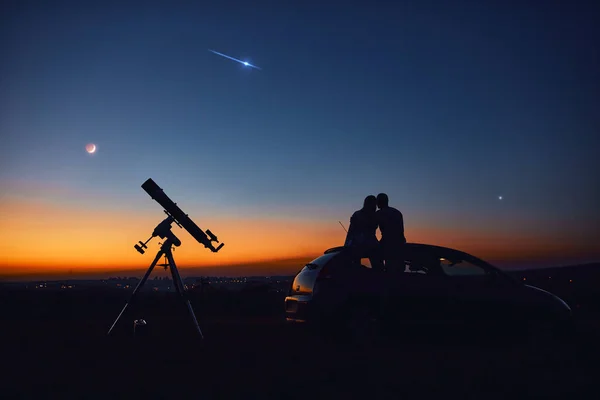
138	287
181	290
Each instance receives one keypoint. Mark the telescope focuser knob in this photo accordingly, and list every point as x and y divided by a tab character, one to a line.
212	236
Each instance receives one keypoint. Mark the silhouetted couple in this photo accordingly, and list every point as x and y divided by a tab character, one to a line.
362	237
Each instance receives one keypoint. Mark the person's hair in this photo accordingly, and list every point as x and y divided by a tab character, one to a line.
382	200
370	201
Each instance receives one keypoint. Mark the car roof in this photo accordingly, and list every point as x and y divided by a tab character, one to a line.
415	246
418	247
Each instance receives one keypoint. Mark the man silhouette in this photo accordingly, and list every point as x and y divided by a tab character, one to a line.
361	236
391	225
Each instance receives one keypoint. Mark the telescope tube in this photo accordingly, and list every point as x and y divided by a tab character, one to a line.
161	198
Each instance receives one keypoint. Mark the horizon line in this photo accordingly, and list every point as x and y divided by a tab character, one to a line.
127	274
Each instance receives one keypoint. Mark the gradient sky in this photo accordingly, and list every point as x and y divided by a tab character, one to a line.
443	105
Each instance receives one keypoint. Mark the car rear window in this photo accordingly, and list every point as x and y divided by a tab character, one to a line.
321	261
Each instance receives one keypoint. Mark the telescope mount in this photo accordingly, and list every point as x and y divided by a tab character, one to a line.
163	230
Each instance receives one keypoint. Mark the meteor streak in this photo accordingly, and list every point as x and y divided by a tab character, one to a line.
245	63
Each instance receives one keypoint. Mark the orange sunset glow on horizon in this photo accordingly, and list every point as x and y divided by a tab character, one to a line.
44	238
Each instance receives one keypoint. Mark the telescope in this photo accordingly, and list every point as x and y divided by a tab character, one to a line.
179	217
163	230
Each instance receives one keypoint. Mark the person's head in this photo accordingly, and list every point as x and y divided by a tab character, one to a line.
370	203
382	200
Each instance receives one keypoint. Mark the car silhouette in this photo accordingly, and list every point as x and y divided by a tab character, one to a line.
339	295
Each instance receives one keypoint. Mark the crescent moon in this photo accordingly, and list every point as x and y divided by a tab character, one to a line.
90	148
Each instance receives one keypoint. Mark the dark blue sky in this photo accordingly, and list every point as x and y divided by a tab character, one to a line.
443	105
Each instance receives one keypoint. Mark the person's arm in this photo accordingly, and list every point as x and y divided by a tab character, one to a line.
402	227
380	221
350	233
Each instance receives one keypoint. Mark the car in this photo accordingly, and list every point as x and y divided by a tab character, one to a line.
338	294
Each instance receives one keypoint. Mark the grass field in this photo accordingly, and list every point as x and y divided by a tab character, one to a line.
54	345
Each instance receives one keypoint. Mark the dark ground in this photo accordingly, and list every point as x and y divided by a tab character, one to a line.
54	345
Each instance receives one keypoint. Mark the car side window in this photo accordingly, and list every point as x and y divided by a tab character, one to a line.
421	263
415	267
461	268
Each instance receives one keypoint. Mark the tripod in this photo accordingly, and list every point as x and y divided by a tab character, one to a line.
163	230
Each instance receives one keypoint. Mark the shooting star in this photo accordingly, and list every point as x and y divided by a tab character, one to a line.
244	63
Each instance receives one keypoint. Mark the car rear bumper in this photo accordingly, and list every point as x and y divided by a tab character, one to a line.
297	308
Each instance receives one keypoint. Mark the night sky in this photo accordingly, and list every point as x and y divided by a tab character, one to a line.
445	106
